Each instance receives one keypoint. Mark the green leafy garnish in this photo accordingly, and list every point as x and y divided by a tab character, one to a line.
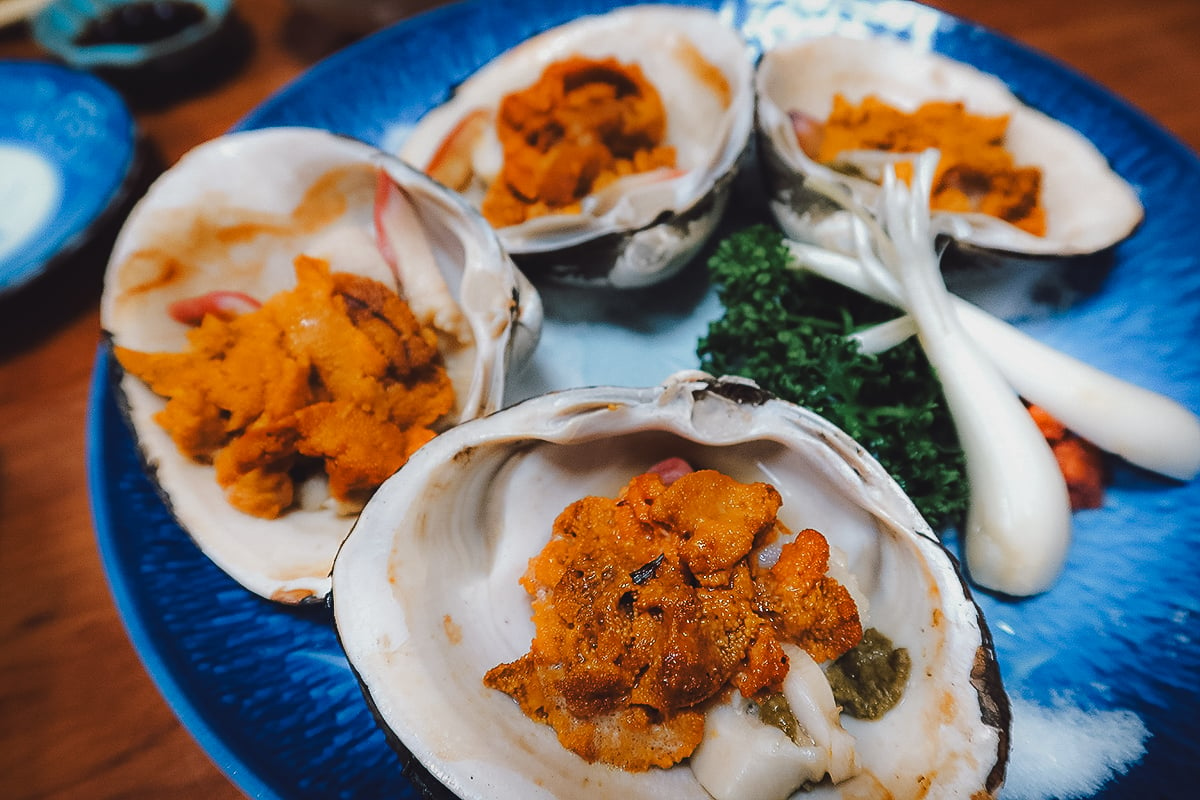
786	330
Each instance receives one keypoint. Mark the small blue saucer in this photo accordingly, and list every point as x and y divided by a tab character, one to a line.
61	28
68	145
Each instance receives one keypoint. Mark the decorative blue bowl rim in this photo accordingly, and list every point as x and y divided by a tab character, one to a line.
80	130
58	24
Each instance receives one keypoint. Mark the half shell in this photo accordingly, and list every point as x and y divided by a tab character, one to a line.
231	216
1089	208
426	592
645	227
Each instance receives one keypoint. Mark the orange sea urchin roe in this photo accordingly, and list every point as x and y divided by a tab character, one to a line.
1080	461
582	125
336	372
975	172
649	606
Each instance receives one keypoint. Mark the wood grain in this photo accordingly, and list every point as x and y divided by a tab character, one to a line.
79	717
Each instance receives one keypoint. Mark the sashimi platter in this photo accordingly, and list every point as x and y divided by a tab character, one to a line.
752	400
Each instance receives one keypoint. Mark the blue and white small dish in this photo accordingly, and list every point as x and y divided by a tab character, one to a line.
68	145
127	35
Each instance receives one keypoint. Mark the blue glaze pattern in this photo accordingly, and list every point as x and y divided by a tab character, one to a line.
267	690
83	134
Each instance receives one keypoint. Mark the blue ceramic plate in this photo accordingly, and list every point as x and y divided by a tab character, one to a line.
1102	669
67	148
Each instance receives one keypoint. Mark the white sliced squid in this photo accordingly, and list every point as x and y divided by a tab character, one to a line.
1147	429
1019	520
1018	529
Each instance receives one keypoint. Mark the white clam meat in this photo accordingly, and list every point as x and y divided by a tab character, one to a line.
644	227
1088	207
224	225
427	600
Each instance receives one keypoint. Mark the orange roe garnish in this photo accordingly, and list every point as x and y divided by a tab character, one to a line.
975	173
649	606
1081	462
335	373
583	124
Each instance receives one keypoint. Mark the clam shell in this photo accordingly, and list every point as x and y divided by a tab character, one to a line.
634	233
1089	208
259	190
426	595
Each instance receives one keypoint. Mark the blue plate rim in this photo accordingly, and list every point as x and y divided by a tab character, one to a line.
125	596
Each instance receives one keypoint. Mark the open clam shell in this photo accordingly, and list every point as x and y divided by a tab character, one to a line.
426	595
230	217
639	230
1089	208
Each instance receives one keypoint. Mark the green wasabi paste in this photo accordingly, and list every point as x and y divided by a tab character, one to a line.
775	710
869	679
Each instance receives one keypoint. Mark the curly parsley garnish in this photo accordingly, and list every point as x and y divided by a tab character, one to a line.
786	329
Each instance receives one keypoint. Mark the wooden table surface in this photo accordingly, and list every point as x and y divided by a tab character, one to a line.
79	717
